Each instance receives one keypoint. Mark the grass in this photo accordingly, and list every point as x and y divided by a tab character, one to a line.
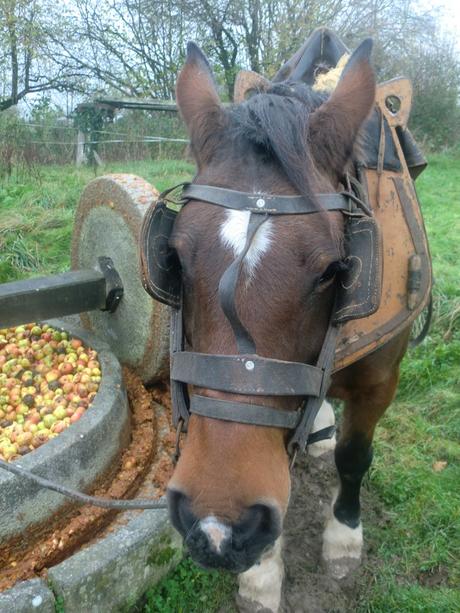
188	590
415	479
37	215
415	559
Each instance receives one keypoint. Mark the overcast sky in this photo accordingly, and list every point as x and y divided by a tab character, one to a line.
450	16
448	10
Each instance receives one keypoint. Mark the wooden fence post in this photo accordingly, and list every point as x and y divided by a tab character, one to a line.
81	155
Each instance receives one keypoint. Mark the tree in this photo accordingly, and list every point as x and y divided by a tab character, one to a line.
131	47
435	74
136	47
26	64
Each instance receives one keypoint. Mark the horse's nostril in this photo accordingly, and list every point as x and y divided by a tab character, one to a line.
258	528
182	517
215	544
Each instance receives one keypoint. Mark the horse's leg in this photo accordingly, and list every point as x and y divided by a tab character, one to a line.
367	387
260	586
343	536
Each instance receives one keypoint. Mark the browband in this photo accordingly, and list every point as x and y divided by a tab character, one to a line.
266	203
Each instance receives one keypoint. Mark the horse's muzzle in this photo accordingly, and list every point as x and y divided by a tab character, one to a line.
214	544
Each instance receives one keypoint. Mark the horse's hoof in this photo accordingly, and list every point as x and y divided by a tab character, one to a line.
244	605
341	568
342	548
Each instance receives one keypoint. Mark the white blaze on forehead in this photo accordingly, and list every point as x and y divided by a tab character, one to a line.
216	532
234	233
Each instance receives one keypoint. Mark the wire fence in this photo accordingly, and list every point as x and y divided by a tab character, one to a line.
149	139
133	137
109	132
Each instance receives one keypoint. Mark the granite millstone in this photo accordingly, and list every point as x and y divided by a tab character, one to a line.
28	597
108	223
112	574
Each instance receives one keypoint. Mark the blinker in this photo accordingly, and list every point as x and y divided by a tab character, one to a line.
161	275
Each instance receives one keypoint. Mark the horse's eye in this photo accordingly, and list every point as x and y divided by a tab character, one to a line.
330	272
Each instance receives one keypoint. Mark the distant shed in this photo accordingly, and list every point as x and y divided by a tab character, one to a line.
89	117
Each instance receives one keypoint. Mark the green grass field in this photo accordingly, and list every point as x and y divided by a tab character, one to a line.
37	213
415	479
416	472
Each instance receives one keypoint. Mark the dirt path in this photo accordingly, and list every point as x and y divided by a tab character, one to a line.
307	588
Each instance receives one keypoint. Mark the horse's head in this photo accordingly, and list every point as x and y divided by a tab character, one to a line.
230	489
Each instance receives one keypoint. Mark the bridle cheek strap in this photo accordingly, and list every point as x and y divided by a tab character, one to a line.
248	373
300	439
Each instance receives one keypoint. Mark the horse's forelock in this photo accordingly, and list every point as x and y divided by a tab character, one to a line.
276	124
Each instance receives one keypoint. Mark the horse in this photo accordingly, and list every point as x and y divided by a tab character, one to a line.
230	489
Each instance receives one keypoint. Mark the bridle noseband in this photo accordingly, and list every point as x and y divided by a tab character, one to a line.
247	373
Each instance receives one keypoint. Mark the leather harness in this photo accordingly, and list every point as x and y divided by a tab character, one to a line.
247	373
369	308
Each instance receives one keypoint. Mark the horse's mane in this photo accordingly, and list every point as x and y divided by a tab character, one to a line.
275	123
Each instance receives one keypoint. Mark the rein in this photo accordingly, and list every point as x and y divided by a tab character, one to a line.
95	501
247	373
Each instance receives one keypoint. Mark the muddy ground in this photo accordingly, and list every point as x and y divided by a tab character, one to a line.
307	587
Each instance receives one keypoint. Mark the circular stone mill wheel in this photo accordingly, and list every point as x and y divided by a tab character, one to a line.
107	223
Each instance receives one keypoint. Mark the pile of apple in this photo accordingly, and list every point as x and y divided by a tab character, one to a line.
47	382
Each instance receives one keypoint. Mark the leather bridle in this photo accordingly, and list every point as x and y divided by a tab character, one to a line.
247	373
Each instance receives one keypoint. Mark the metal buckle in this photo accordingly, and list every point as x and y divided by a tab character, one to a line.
357	197
168	195
179	430
293	456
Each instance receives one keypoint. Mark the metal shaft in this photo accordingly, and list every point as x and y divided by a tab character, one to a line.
54	296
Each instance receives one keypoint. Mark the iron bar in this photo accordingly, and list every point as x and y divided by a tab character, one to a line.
54	296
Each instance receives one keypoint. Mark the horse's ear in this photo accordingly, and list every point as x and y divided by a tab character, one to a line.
199	103
335	124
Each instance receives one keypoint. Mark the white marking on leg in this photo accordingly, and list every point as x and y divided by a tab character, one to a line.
216	532
341	544
262	583
341	541
324	418
234	233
